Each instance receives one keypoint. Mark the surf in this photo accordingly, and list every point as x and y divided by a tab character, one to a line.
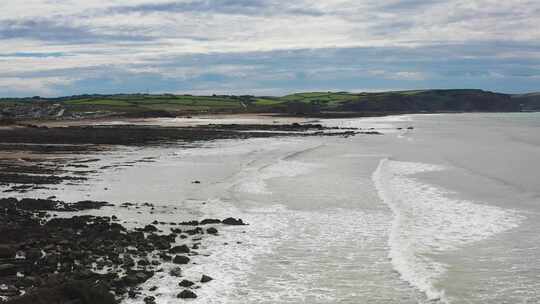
428	222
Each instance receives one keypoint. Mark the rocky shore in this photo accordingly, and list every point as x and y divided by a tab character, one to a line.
140	135
51	253
90	259
39	157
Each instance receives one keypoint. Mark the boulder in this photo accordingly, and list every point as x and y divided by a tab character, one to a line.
186	283
8	269
150	228
206	279
233	221
7	252
180	249
180	259
176	272
73	292
186	294
211	230
165	257
210	221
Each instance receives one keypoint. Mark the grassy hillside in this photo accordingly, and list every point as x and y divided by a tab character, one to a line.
417	101
401	101
433	101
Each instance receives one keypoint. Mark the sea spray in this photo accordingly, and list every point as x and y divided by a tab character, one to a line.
427	222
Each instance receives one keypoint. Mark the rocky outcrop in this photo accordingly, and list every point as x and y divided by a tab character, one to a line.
83	259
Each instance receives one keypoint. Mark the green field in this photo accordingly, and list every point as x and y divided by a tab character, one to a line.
188	103
412	101
143	103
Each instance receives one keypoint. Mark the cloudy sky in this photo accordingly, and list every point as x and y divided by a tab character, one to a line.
266	47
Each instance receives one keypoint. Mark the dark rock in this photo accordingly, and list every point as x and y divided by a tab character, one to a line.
186	283
181	259
186	294
132	293
143	262
7	252
71	247
179	249
149	300
131	280
86	205
176	272
129	262
197	230
206	279
196	182
134	278
190	223
210	221
149	228
79	292
211	230
165	257
8	269
232	221
10	291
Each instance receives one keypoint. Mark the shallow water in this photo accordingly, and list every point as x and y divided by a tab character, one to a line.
447	212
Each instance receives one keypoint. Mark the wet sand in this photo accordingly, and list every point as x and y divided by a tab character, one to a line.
40	233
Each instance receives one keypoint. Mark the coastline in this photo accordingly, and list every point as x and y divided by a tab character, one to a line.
47	157
273	183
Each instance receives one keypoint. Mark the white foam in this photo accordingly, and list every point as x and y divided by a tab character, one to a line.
318	254
254	179
234	147
384	124
227	257
427	222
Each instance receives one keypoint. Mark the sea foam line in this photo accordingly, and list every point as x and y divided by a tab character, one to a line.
427	222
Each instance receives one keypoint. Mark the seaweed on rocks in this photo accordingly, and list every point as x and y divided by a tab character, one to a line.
142	135
78	259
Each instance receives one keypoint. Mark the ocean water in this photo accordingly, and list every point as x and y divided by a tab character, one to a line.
448	212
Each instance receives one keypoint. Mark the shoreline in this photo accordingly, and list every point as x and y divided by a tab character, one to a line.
41	157
92	259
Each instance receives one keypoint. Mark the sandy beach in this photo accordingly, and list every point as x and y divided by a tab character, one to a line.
328	218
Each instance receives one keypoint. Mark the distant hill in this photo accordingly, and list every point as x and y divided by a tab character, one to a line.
417	101
528	102
434	101
147	105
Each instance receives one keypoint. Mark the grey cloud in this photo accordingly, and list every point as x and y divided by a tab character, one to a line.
34	54
445	65
239	7
408	5
48	30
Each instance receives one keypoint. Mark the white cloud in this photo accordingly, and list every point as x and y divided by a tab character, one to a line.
399	75
33	86
137	40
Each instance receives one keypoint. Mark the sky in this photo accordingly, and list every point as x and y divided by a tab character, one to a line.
266	47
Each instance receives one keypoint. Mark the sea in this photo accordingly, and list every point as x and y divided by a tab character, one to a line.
440	208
